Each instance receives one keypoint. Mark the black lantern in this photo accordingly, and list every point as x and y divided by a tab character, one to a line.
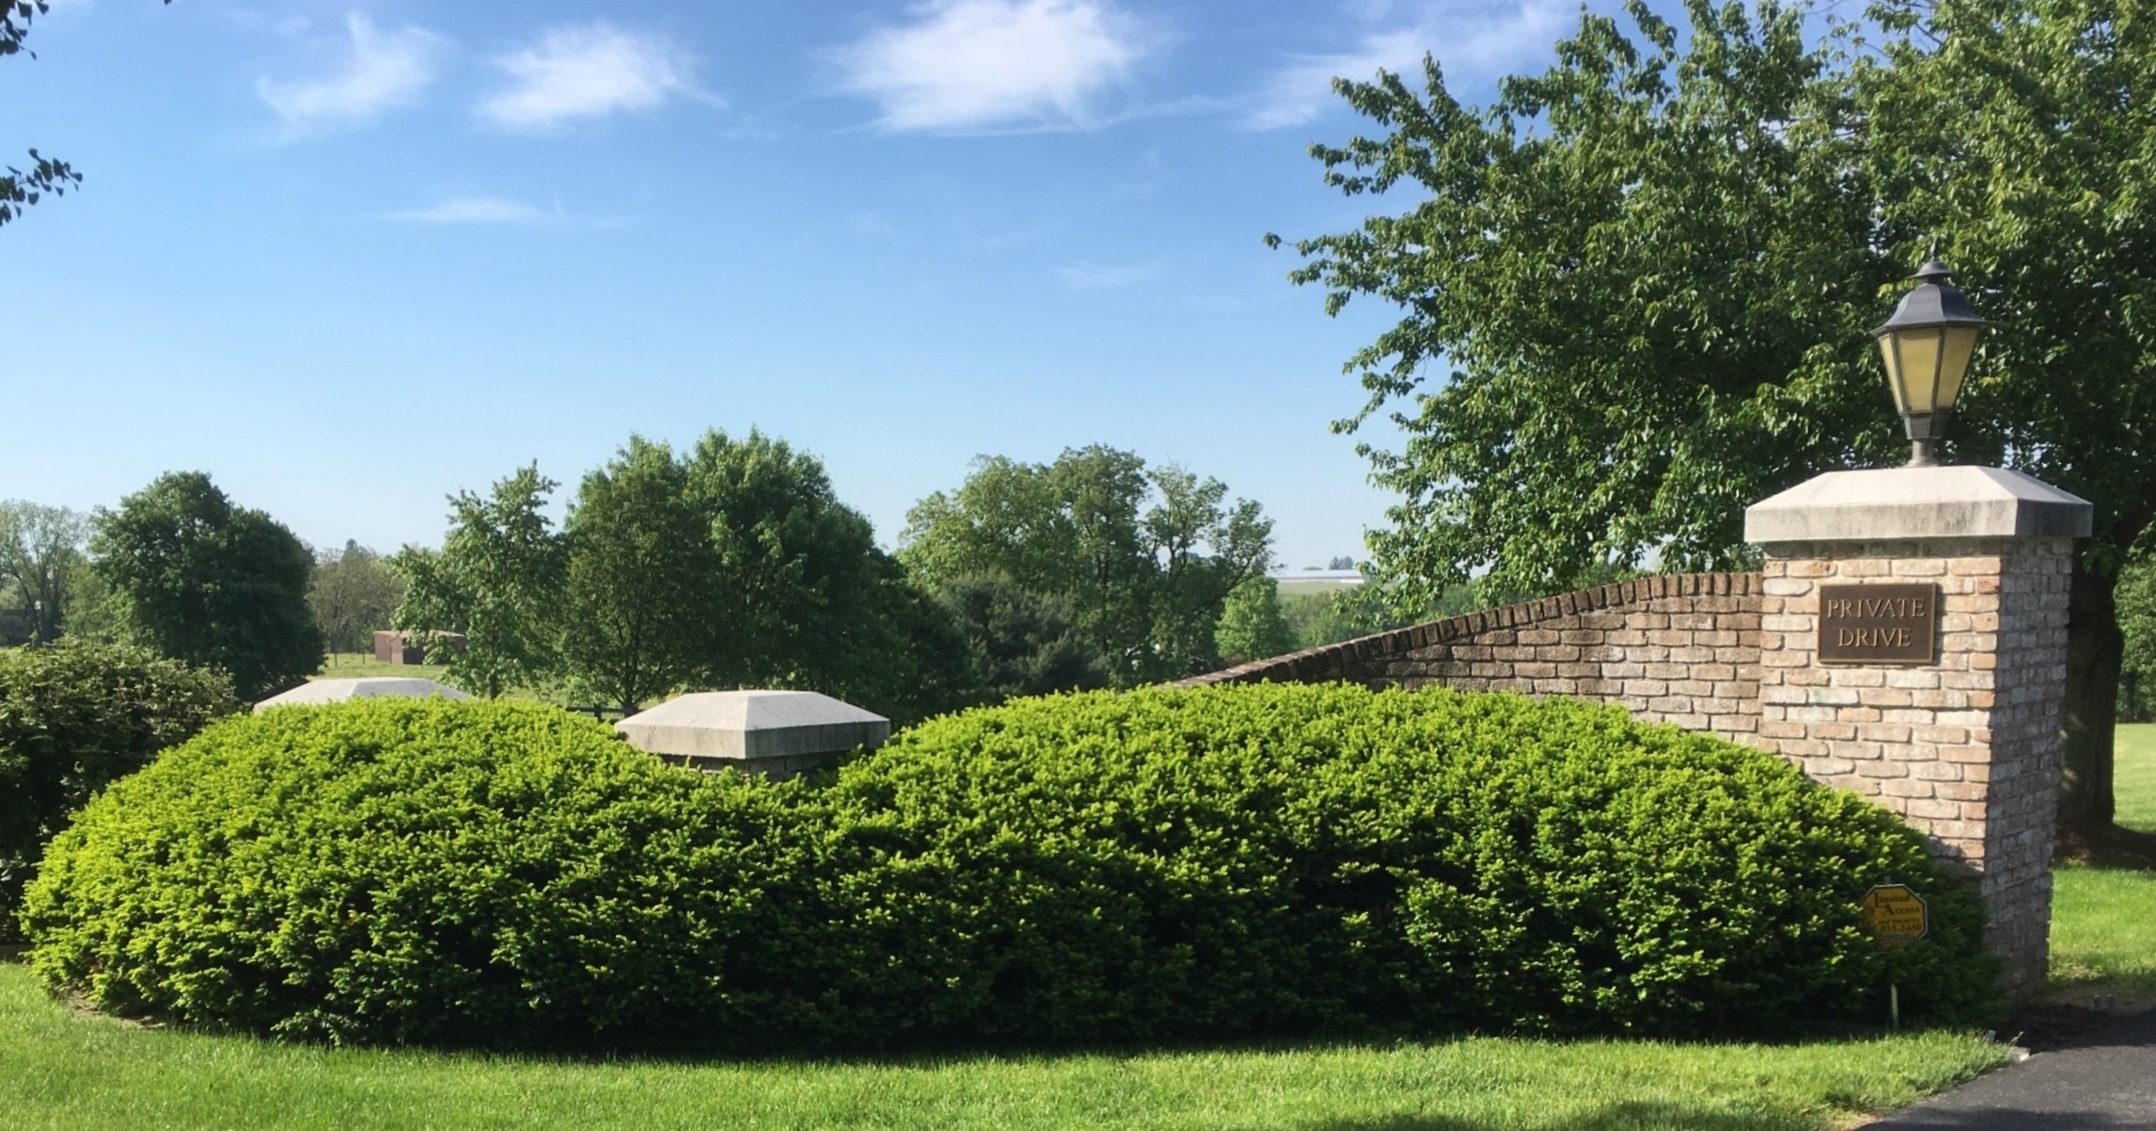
1927	346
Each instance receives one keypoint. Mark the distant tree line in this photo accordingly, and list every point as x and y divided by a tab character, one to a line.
734	564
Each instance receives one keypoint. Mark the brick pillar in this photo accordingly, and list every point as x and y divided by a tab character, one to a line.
1963	742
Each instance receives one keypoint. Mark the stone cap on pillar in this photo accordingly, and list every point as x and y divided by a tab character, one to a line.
747	726
1918	502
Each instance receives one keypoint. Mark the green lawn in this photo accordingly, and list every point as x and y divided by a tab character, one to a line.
2136	769
361	665
82	1073
2103	920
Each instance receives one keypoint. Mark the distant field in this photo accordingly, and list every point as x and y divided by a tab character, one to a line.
1319	582
2136	785
361	665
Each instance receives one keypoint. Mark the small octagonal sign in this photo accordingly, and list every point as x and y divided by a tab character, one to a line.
1897	915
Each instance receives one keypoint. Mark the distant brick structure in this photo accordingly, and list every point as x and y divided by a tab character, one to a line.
400	648
1962	739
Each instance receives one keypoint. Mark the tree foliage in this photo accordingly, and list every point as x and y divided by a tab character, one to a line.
354	592
639	557
1253	626
1018	642
2137	623
736	565
496	580
42	561
1144	557
1635	289
198	579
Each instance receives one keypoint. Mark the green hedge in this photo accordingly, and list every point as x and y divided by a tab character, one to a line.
74	717
1232	861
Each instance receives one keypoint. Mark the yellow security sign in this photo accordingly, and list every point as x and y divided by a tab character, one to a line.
1897	915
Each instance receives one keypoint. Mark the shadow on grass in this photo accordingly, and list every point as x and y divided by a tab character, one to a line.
2110	847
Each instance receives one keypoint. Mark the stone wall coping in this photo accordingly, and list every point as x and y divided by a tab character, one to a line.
1918	502
1331	661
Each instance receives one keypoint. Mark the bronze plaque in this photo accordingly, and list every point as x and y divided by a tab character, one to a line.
1878	624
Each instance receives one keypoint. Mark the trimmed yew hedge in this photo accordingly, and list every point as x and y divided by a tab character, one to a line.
1229	861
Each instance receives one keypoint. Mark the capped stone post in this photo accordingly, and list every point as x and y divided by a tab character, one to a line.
1913	650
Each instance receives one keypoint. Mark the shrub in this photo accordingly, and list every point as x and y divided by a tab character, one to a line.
1259	859
1293	858
73	718
409	871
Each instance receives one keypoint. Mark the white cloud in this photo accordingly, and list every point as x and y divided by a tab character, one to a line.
1099	276
588	71
1471	40
994	64
387	69
481	210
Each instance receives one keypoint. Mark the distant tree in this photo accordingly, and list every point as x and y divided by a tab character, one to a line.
1342	562
1252	625
800	596
198	579
2137	620
21	188
354	592
1018	642
1144	558
639	560
497	579
42	562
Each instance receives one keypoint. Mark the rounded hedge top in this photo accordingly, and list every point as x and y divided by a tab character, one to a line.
1162	864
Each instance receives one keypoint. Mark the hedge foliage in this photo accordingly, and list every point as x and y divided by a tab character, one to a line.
1231	861
74	717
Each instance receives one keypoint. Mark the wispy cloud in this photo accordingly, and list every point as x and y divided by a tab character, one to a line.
967	65
481	210
1472	40
580	71
386	69
1090	276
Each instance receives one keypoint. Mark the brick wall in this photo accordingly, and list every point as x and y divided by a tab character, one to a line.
1966	748
1680	648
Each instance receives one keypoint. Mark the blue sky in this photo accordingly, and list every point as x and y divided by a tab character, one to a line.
350	257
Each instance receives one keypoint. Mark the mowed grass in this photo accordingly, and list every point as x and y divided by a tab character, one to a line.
2135	786
2103	920
82	1073
361	665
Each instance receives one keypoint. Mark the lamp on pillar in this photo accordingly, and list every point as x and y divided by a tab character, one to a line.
1927	345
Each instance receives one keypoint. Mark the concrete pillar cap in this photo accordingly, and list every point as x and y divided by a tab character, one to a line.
1918	502
744	726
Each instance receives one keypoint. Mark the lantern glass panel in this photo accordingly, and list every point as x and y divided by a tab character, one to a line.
1915	367
1959	346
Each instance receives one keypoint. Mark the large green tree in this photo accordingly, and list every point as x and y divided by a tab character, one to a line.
1635	289
1143	557
496	579
41	561
639	559
198	579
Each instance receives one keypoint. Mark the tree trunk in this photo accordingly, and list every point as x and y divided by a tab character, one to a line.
2094	650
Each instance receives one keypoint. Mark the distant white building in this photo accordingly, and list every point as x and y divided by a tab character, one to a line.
1304	582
